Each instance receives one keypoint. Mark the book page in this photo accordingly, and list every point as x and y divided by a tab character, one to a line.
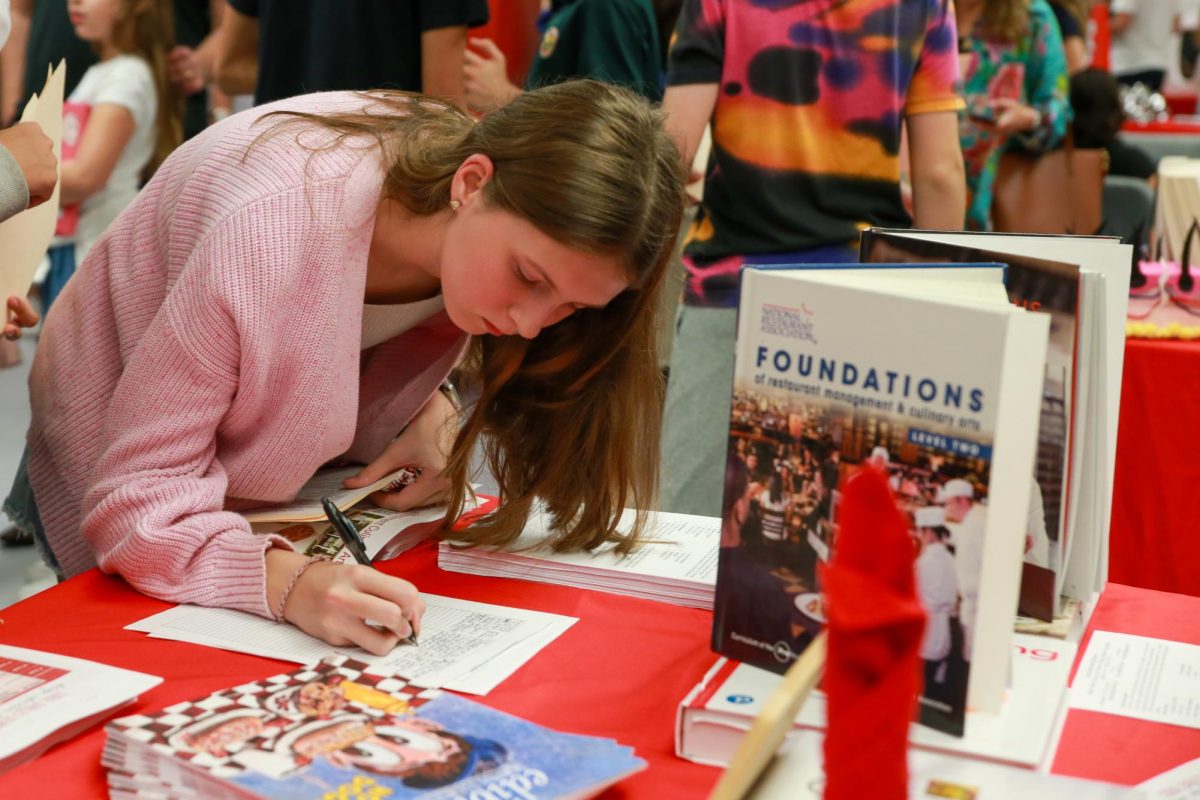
1139	677
25	236
306	506
459	639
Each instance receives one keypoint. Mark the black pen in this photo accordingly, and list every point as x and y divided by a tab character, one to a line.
346	531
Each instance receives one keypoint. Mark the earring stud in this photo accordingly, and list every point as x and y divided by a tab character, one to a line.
454	204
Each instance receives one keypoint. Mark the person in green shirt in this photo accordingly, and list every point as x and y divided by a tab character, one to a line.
616	41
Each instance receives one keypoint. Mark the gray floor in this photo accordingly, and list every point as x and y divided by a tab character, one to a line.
14	420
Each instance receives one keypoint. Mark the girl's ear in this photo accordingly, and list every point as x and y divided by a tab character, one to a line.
470	179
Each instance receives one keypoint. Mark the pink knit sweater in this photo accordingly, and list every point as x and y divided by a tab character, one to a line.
206	358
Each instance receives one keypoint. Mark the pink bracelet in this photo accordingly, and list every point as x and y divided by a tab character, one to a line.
291	584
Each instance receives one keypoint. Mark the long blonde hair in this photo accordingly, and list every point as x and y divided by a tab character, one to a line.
1006	20
147	28
573	416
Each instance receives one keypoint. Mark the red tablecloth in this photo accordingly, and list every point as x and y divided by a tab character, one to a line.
620	672
1104	747
1155	537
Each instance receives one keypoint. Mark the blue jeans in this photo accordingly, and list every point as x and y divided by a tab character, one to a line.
62	267
21	508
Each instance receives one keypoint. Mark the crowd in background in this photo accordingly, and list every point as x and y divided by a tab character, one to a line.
158	71
820	123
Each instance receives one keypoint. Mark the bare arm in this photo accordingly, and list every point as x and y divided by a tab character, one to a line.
938	179
206	51
689	108
109	128
1075	51
235	53
442	57
12	61
1120	23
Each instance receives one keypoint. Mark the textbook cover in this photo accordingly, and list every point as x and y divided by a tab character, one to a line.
842	369
335	729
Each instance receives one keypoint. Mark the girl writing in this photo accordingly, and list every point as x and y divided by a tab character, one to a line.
293	286
129	119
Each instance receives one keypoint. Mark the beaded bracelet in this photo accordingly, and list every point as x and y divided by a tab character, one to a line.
291	584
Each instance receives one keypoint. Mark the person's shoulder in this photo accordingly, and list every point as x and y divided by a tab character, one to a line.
625	10
128	64
318	103
126	70
124	80
1041	13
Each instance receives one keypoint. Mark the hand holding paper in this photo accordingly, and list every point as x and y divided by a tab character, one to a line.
34	153
18	314
25	237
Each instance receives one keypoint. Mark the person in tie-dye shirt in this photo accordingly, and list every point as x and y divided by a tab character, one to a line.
807	99
1015	85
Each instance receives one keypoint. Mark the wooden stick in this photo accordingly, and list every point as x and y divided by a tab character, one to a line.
772	724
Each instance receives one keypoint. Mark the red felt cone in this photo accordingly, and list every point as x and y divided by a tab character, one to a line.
875	624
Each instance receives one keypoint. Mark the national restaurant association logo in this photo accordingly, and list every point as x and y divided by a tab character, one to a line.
788	321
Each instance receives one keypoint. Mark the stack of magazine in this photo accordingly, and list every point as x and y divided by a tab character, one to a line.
981	374
337	729
675	563
47	698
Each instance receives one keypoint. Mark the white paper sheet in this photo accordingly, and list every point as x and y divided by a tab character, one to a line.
1139	677
1181	783
465	646
797	774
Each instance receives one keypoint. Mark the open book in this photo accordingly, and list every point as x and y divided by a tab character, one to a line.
306	506
926	372
1082	283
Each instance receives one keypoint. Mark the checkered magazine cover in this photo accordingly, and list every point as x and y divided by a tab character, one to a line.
336	729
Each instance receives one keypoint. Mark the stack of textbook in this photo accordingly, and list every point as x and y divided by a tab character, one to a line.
676	562
715	715
337	729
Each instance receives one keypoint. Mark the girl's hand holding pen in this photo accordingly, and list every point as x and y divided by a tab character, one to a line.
424	444
333	601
